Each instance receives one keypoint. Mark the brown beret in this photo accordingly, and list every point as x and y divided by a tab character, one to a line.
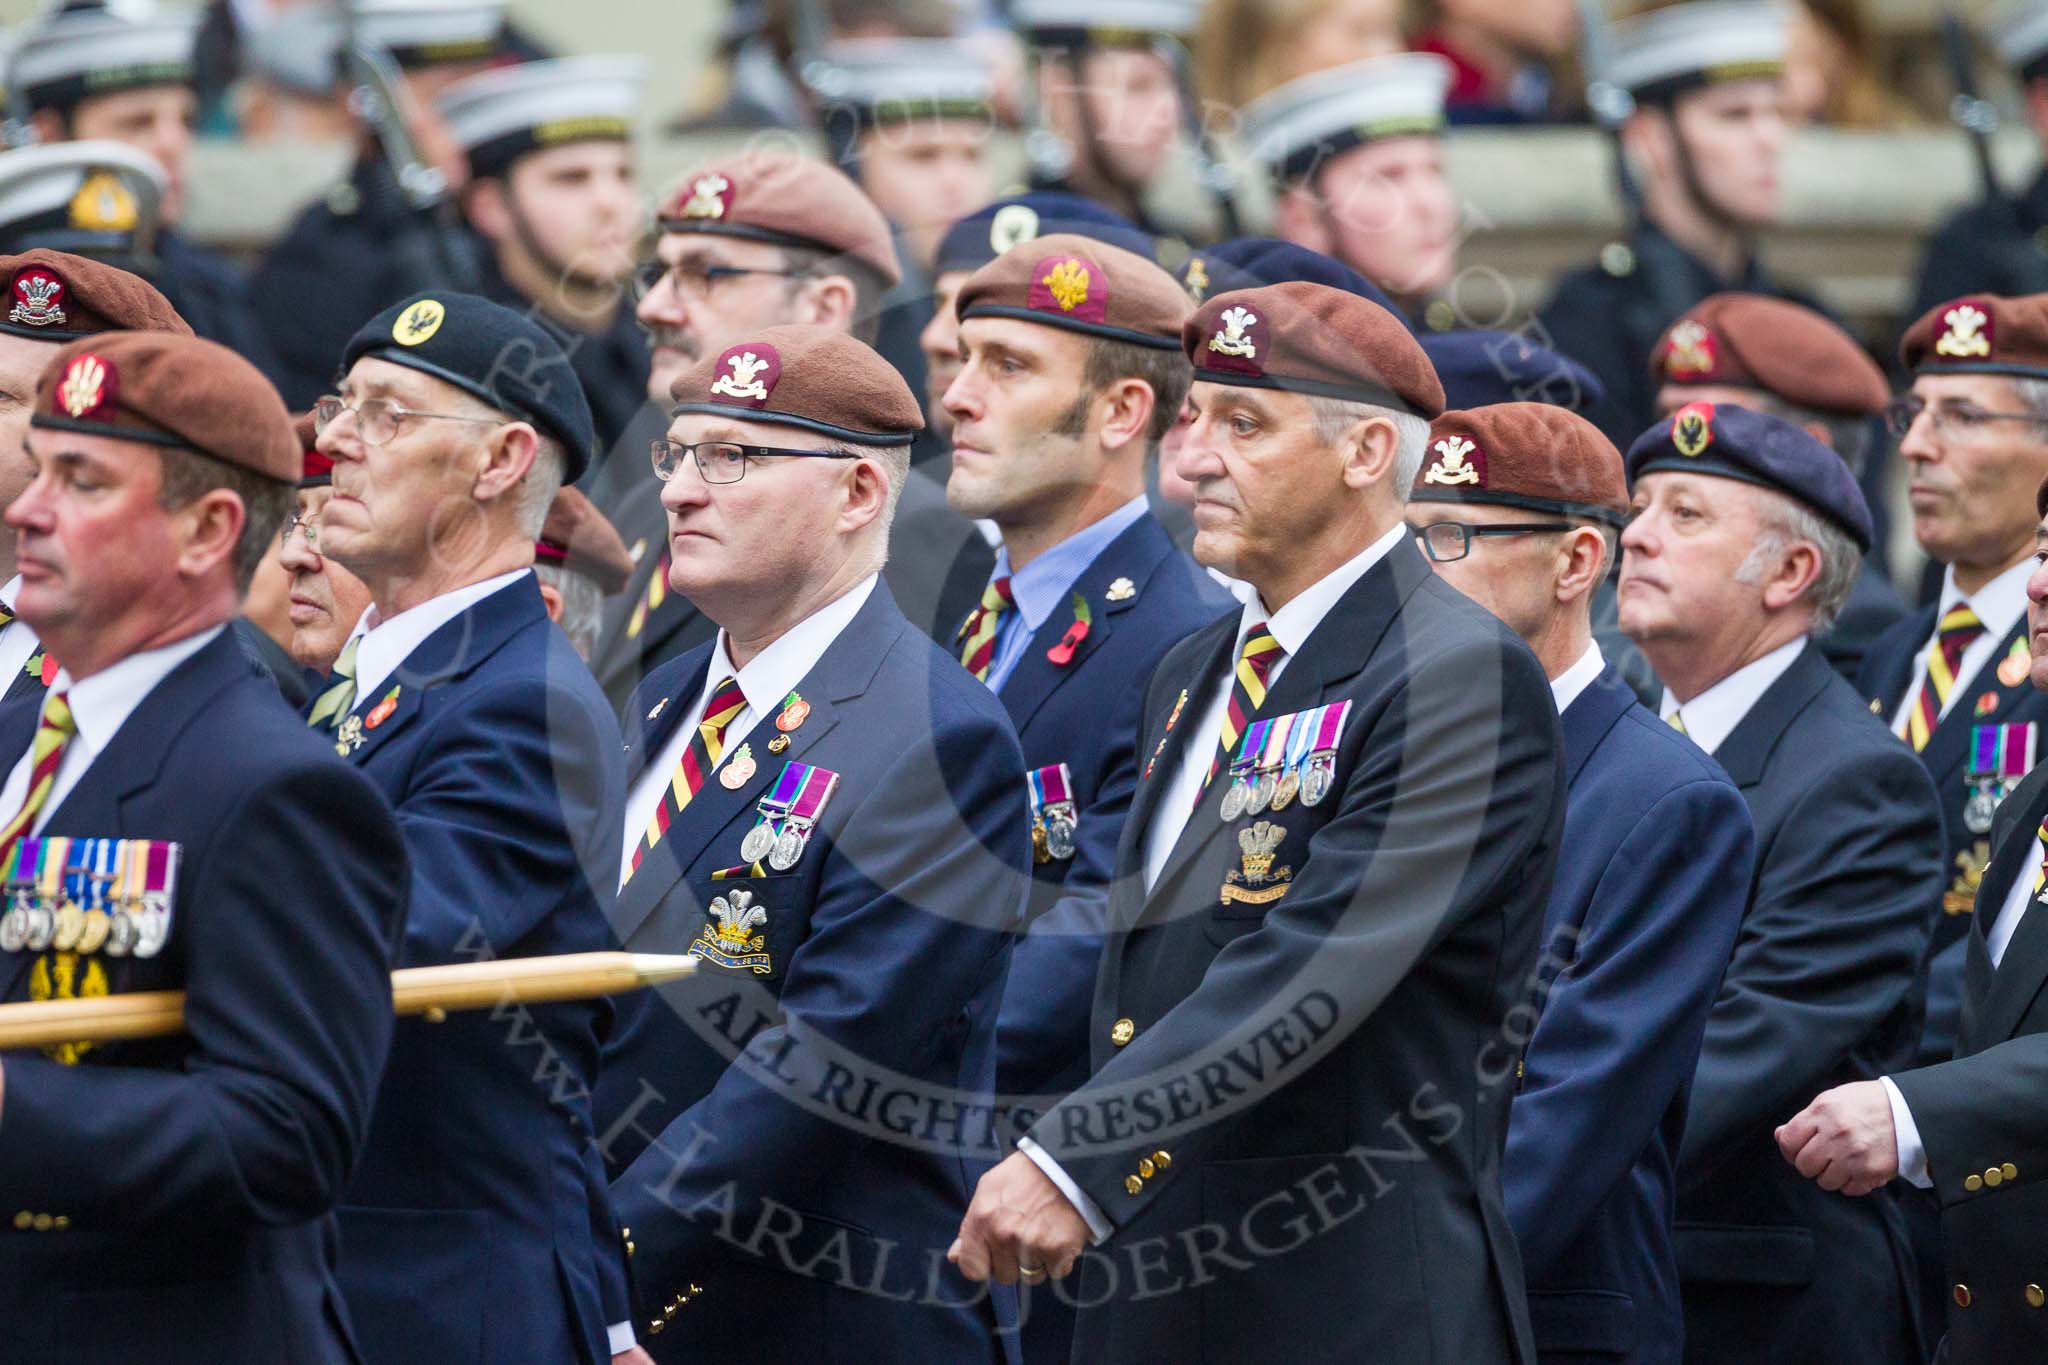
1533	455
1754	341
1310	338
816	378
1980	334
179	392
579	538
54	296
787	200
1082	285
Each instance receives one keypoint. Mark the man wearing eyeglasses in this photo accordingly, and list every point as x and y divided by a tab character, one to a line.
1517	507
831	815
1745	536
456	422
756	240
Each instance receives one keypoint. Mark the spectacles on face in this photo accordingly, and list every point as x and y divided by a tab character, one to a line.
695	279
1448	541
378	419
299	524
726	461
1948	419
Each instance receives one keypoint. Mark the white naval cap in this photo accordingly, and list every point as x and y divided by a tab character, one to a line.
2019	34
84	197
881	80
71	53
501	115
1665	51
423	32
1104	23
1293	128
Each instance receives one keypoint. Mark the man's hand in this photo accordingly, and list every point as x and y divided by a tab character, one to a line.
1018	1226
636	1356
1844	1139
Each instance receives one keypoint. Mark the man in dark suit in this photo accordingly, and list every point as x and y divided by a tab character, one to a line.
1516	508
1056	414
458	697
1328	898
831	814
1973	1130
1745	538
169	1200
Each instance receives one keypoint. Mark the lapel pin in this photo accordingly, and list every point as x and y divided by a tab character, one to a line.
795	712
778	744
1123	590
657	708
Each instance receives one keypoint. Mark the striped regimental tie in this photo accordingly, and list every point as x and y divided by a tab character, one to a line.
727	701
977	634
332	706
657	593
1247	694
1944	657
53	732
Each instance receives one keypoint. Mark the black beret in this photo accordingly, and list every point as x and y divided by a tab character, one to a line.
495	355
994	228
1730	442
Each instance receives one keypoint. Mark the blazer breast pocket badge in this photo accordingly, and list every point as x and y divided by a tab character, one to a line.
1256	881
1053	814
785	818
730	939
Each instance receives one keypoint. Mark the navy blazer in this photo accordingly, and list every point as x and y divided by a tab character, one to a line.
1986	700
1652	879
1300	1103
481	1193
1823	988
810	1189
194	1176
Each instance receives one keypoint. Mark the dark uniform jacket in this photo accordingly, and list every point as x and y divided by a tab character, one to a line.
611	365
1298	1141
1824	988
1977	251
171	1200
212	295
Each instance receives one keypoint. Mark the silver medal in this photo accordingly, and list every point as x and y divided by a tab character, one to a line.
1262	793
1059	839
1316	785
1234	799
42	926
759	840
1980	808
14	928
789	846
153	927
122	934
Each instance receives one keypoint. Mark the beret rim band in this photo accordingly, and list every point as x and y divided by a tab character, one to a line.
751	233
1682	465
1606	516
1375	395
153	436
55	334
1100	329
1982	367
398	355
880	440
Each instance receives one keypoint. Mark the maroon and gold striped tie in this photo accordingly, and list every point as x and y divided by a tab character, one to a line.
727	701
53	731
1944	657
1247	694
656	594
977	633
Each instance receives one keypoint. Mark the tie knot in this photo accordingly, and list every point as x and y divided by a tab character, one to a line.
726	702
997	595
345	666
1261	651
1961	621
57	714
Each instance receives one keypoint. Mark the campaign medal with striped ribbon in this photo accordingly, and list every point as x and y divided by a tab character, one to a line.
815	790
770	812
1327	723
2000	755
1237	795
130	872
1301	734
105	853
71	908
21	885
1053	814
159	880
1266	783
42	911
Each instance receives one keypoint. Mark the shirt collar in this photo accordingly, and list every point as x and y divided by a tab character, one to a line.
1040	586
1713	715
10	591
101	704
385	644
1295	622
1567	686
775	672
1999	604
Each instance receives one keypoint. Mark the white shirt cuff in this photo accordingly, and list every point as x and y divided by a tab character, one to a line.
1912	1156
621	1334
1098	1227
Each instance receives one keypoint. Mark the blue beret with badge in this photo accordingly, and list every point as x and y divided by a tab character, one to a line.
1729	442
1482	368
994	228
1252	262
495	355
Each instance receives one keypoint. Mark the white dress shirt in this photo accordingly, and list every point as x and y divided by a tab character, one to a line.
1713	715
17	639
768	678
100	705
1291	626
385	644
1566	687
1999	604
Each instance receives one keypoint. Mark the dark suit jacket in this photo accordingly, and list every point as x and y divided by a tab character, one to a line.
811	1191
481	1193
1886	674
938	561
197	1173
1823	988
1988	1108
1652	878
1301	1142
1873	608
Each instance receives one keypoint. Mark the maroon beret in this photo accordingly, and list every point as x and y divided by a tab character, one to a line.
1980	334
54	296
1080	284
178	392
1310	338
315	470
803	376
579	538
1534	455
1753	341
787	200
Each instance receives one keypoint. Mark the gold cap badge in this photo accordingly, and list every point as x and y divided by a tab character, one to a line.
417	324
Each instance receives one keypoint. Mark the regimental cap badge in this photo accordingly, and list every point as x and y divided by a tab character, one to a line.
1967	330
416	325
1012	223
747	373
1689	351
87	386
1231	340
1257	845
38	298
710	198
1197	278
104	204
1122	590
1455	460
1070	286
1237	338
1692	428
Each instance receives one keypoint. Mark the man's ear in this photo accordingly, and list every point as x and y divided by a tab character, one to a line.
1131	404
1793	576
508	455
867	495
829	301
488	210
214	523
1369	449
551	597
1650	142
1584	552
1298	218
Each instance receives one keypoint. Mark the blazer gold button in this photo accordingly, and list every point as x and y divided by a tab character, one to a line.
1973	1183
1994	1177
43	1221
24	1220
1161	1159
1961	1294
1146	1168
1122	1031
1132	1184
2035	1298
2009	1171
60	1222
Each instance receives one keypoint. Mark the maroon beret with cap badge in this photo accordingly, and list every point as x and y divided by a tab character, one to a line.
1533	455
1081	285
785	200
1754	341
55	296
1312	339
1980	334
815	378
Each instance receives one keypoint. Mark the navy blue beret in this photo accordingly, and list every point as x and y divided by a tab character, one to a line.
1253	262
1730	442
1480	369
495	355
994	228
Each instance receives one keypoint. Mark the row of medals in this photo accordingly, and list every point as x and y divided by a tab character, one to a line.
139	928
782	842
1052	833
1274	790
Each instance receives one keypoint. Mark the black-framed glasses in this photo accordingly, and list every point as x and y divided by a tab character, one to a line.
725	461
696	279
378	419
1447	541
1947	418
